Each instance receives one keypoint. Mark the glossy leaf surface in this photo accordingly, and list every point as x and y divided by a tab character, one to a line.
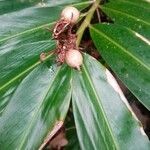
103	117
128	55
41	100
132	14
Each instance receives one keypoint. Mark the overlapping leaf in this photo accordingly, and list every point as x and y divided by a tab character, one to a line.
102	115
128	55
125	47
132	14
41	100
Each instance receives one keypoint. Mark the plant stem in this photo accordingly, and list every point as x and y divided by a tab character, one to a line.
86	21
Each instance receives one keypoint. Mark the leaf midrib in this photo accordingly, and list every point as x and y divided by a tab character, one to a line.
83	119
120	47
100	105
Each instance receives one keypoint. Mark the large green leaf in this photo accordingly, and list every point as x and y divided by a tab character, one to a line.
103	117
126	49
128	55
41	100
18	56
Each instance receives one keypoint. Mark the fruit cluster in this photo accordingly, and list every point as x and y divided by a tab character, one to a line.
67	49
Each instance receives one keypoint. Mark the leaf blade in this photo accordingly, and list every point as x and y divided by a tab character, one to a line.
123	54
130	14
86	111
38	116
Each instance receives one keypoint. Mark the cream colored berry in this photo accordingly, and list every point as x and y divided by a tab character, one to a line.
74	58
70	14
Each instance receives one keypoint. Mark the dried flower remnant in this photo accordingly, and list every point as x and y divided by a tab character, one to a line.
65	39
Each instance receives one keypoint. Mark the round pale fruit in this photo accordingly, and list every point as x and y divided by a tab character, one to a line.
74	58
70	14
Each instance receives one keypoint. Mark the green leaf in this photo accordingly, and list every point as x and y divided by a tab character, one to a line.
128	55
126	49
41	100
21	53
133	14
18	57
103	117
